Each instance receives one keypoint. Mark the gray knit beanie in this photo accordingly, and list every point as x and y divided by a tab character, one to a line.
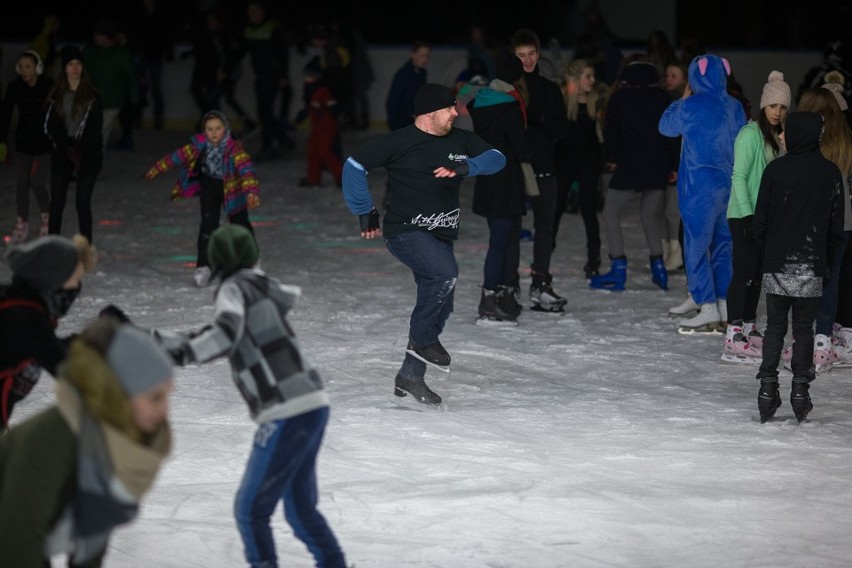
775	91
137	360
44	263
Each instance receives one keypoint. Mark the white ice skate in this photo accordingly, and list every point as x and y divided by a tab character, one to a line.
708	320
824	356
737	349
202	276
684	308
842	345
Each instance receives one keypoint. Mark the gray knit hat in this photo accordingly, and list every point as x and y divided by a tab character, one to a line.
775	91
44	263
137	360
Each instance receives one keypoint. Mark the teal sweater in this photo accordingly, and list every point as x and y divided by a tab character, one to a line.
751	154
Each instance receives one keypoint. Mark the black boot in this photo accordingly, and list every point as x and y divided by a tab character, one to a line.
800	399
768	399
593	263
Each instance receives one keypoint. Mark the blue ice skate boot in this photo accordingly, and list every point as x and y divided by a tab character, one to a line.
658	272
613	280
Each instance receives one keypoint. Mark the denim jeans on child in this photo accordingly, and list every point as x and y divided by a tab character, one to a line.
282	467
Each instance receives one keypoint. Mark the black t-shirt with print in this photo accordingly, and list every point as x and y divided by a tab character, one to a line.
419	200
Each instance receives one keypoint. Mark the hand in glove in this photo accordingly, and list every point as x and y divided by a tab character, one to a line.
152	173
370	227
253	201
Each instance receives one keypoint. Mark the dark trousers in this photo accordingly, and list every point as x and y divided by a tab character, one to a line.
433	264
212	197
827	314
61	174
844	295
504	252
271	128
744	289
544	219
585	170
804	313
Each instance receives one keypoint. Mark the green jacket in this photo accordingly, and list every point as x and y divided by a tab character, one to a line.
34	492
751	154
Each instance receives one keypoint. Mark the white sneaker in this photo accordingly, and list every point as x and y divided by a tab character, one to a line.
202	276
707	320
684	307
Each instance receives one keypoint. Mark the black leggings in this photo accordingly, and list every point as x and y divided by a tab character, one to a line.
212	198
61	174
744	289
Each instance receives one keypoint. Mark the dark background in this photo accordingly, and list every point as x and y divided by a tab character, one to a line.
716	23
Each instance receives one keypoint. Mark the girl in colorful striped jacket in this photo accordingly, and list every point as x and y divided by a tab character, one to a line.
218	169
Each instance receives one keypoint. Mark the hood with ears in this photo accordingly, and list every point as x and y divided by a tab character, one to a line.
709	74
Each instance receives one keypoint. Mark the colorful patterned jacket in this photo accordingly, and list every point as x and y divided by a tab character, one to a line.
240	179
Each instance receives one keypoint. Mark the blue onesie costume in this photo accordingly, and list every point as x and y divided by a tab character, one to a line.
708	120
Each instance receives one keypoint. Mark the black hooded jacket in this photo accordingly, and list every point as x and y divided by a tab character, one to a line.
798	219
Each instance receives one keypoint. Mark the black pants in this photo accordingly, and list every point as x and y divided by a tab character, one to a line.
804	316
844	289
544	217
744	289
584	168
61	174
212	198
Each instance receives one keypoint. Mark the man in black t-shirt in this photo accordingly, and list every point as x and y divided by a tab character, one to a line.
426	163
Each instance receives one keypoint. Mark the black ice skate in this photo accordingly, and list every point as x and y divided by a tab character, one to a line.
418	389
800	400
433	354
542	296
768	400
494	309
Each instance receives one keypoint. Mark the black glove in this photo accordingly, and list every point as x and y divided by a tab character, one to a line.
748	227
369	221
180	355
462	169
114	311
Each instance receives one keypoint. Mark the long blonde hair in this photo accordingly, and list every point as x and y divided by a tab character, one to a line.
571	78
836	141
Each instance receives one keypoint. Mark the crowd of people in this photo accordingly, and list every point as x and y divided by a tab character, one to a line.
751	205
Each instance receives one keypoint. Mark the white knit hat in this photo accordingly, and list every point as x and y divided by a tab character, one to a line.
775	91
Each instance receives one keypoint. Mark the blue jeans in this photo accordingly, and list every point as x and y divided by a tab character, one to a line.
435	272
282	467
828	304
503	256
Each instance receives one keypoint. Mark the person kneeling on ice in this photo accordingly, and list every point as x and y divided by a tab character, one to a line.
798	223
426	163
283	391
76	471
